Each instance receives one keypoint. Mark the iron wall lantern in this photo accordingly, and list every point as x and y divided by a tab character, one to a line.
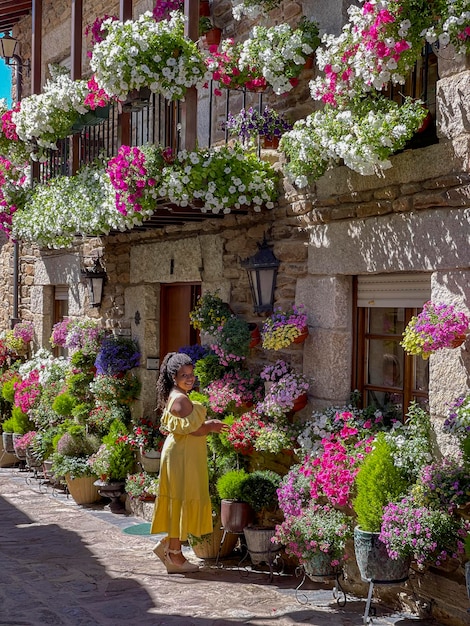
262	272
95	277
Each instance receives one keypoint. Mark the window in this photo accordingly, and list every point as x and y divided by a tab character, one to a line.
387	378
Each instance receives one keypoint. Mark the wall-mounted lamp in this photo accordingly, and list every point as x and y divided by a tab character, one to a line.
95	277
262	272
8	47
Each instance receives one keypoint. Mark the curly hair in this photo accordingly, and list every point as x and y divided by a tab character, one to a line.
172	362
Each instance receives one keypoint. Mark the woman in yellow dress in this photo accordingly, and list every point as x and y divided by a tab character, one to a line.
183	504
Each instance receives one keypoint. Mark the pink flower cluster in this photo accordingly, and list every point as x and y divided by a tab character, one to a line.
163	8
8	126
96	96
439	324
332	473
27	391
11	180
97	31
370	51
244	432
24	331
129	178
234	389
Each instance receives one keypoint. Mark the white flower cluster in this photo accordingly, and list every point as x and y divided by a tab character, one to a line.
146	53
252	8
220	179
280	52
363	136
454	29
70	206
46	117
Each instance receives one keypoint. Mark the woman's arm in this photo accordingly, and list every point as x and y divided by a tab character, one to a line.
210	426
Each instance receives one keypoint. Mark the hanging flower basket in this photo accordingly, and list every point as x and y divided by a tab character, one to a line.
302	337
300	403
255	335
458	341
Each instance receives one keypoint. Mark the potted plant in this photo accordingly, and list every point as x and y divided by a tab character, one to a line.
235	514
141	486
250	124
73	447
117	355
210	312
286	390
114	390
148	440
378	482
225	66
168	62
280	52
284	327
316	535
438	326
18	339
210	34
231	341
235	391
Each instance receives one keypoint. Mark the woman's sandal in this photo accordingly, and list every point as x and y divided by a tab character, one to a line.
160	550
176	568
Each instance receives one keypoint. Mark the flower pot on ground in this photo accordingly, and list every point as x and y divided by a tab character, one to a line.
83	490
149	460
142	486
378	482
7	458
211	546
7	439
234	512
259	490
259	544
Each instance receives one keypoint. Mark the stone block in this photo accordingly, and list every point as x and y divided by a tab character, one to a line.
327	299
453	105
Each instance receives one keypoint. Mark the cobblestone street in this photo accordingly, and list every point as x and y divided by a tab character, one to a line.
70	565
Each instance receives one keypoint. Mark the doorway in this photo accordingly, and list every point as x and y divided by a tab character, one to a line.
176	301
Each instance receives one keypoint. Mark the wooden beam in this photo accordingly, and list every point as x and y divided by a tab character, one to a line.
189	106
36	46
124	121
76	70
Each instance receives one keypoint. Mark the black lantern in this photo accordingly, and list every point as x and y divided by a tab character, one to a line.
8	47
95	277
262	271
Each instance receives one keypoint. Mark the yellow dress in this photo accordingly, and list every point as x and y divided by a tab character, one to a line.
183	504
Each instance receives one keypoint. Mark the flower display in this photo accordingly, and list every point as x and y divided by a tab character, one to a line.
332	470
141	485
252	8
113	390
277	438
163	8
85	335
59	333
282	327
250	124
236	388
232	340
134	174
427	535
27	440
219	178
146	435
436	327
285	388
210	312
244	432
18	339
117	355
27	391
458	418
14	191
88	203
280	52
97	31
195	351
363	135
380	44
147	53
443	485
44	118
226	68
315	529
452	27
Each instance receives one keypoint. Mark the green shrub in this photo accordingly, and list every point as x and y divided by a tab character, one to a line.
208	369
8	390
121	459
378	482
259	490
64	404
19	422
229	486
83	361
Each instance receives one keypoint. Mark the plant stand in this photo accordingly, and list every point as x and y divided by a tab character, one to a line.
338	592
113	491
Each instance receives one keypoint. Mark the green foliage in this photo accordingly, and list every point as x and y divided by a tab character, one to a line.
229	486
234	337
378	482
64	404
83	360
43	443
81	411
8	391
19	422
259	489
76	466
121	457
208	369
78	385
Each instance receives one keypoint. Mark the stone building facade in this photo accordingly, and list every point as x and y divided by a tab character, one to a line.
411	223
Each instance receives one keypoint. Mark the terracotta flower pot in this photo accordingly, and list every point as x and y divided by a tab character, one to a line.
255	335
213	37
458	341
300	403
303	335
270	143
204	8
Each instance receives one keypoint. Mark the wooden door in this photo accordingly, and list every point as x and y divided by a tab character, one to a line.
176	302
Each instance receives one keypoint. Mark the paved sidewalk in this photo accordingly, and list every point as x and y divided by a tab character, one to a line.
67	565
